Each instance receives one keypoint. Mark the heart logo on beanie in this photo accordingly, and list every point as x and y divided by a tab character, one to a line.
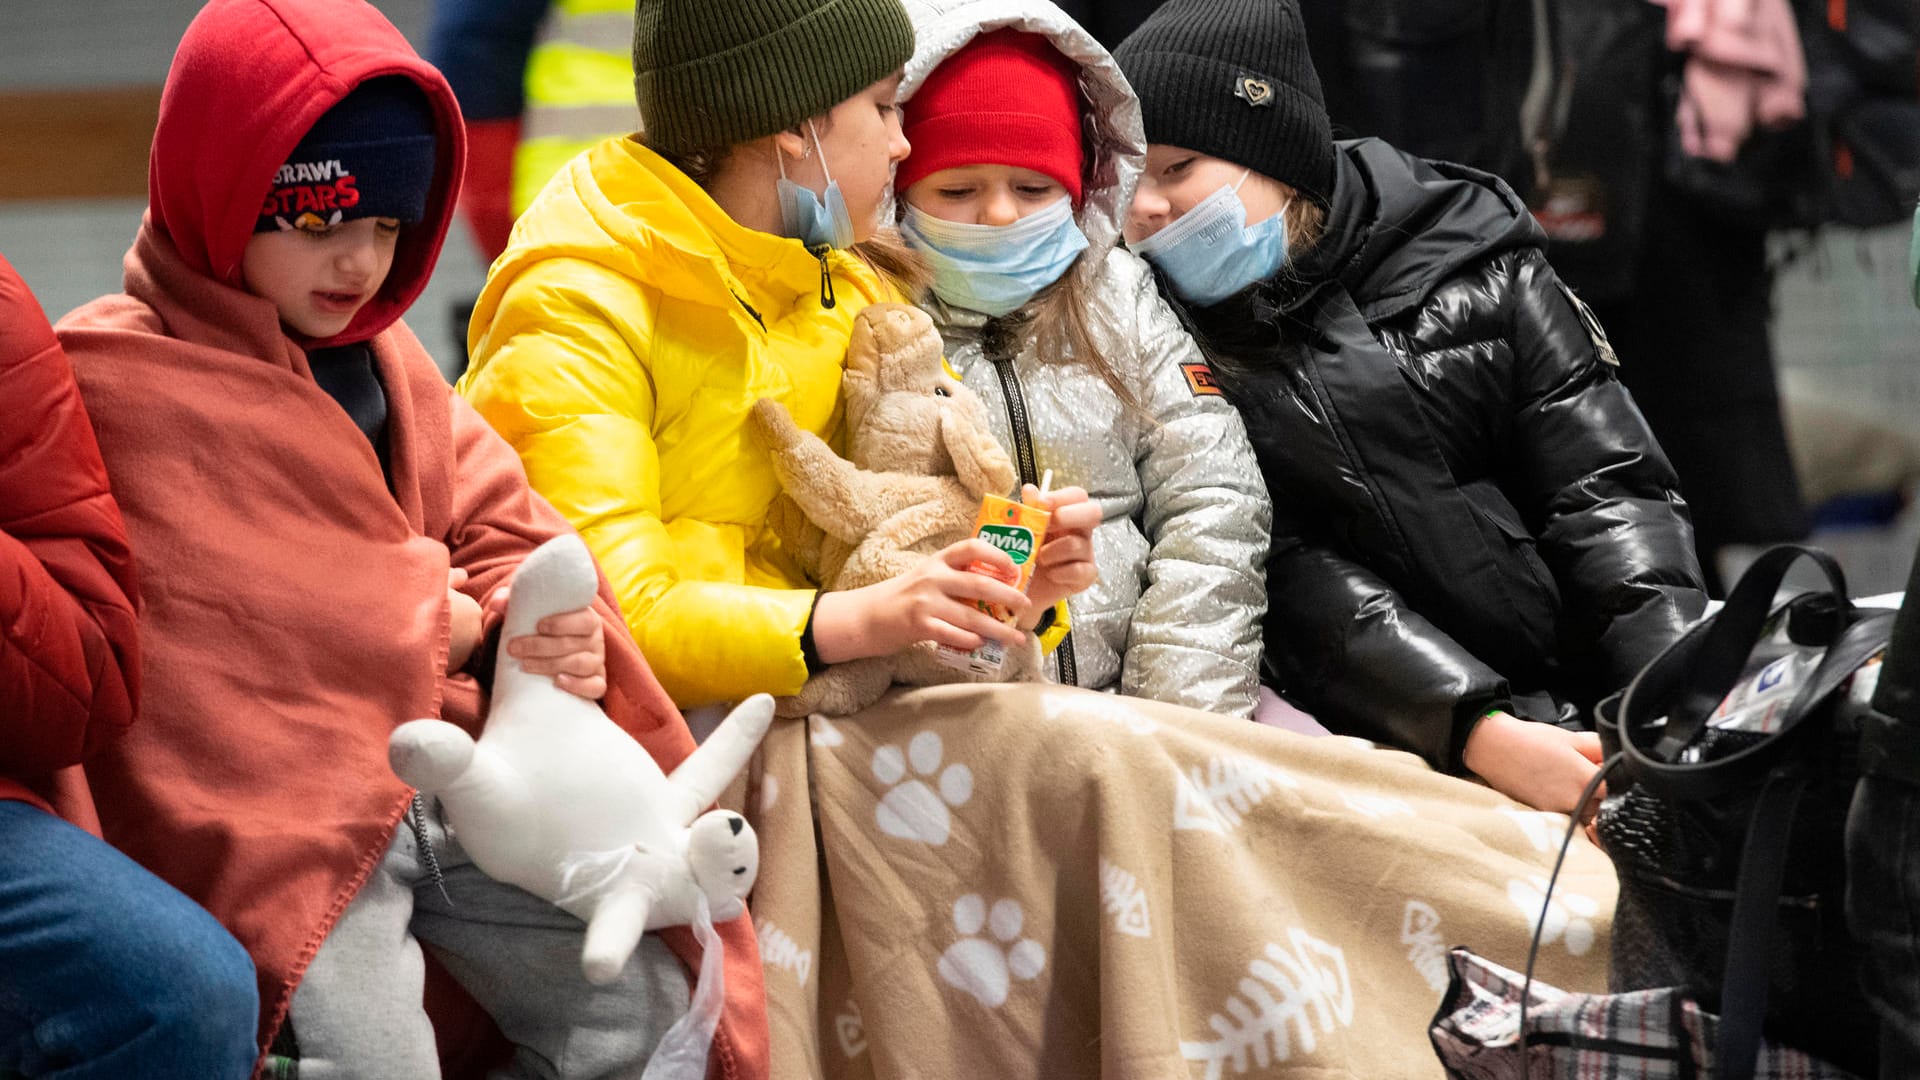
1255	92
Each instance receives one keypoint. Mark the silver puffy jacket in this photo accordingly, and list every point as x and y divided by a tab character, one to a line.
1182	552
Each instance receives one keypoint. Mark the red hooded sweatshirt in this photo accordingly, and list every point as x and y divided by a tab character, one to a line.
295	595
69	656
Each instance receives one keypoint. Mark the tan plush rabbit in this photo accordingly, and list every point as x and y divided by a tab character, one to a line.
921	458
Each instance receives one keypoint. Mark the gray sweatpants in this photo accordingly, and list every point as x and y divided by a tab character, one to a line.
357	1014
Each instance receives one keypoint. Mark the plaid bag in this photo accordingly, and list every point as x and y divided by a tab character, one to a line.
1644	1035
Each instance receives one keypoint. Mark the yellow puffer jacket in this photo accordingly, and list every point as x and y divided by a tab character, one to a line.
618	345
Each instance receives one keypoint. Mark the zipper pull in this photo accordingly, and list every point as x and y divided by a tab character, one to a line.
826	279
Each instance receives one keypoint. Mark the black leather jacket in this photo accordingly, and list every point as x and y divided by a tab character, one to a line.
1469	511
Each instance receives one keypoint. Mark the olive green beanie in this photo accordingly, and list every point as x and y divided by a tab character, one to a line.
715	73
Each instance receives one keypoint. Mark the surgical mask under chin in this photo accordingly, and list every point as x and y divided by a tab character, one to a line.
1211	253
804	215
994	269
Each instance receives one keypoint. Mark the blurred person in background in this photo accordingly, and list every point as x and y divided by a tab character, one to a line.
1441	79
1579	106
1651	222
538	81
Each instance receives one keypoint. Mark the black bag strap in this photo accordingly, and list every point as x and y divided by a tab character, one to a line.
1687	682
1744	982
1858	643
1697	781
1729	639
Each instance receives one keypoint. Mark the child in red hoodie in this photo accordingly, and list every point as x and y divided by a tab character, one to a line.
105	970
317	516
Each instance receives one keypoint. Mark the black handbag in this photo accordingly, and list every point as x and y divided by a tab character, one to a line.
1729	843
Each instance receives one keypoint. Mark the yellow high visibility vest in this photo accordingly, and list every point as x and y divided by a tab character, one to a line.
579	89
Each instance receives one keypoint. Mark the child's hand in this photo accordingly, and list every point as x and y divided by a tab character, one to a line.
571	647
934	601
1541	765
495	605
463	622
1065	563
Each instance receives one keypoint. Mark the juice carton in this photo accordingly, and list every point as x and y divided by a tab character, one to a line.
1017	529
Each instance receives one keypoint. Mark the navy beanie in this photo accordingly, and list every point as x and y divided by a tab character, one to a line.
371	155
1232	79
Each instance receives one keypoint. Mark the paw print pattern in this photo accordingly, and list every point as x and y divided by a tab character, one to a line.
1569	915
911	809
986	968
1543	830
822	733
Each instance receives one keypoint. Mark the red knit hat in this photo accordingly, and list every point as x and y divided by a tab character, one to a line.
1006	98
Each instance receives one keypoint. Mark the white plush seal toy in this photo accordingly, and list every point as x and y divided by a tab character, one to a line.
558	800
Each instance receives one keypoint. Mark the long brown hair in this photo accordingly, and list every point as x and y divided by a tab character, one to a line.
895	260
1306	222
1061	329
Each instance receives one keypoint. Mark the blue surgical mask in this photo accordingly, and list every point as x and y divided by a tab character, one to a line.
1210	253
804	216
994	269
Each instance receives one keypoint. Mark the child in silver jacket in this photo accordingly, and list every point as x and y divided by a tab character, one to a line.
1026	146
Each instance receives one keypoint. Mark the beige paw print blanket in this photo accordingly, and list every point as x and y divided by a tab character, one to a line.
1035	881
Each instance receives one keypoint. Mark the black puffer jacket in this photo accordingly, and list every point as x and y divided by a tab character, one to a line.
1469	510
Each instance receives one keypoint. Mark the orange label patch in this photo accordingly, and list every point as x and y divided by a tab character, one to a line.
1200	379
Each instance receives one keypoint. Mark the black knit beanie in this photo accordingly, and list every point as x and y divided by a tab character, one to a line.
714	73
1232	79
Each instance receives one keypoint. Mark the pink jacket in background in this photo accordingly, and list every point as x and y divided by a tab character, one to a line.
1745	67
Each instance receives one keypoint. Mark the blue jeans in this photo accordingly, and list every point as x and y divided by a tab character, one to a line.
107	971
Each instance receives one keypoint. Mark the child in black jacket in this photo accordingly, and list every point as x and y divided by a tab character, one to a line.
1474	528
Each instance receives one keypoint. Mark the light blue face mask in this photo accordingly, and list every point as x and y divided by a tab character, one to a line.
803	214
1210	253
993	269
